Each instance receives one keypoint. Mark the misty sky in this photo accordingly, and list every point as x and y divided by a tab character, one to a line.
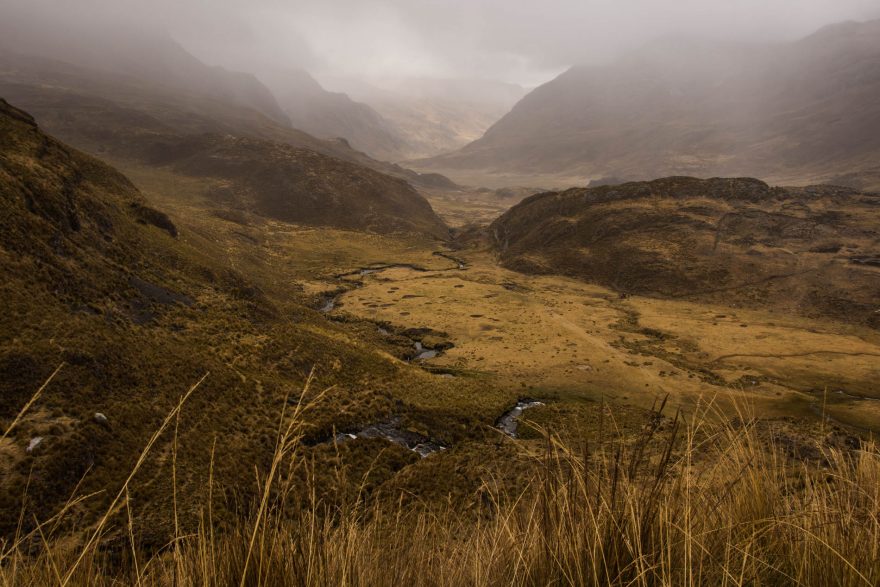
521	41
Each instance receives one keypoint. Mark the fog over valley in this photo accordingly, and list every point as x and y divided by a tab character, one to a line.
420	78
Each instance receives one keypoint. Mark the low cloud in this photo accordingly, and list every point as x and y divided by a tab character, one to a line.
521	41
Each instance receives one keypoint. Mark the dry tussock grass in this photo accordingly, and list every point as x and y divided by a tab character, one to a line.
687	502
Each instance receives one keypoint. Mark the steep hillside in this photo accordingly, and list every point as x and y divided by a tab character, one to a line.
332	114
67	216
797	112
813	250
135	307
298	185
95	280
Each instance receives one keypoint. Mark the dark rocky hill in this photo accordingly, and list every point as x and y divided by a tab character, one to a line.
302	186
813	250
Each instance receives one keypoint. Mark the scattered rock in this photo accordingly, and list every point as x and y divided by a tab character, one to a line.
35	443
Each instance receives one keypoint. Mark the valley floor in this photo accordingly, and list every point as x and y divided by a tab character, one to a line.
551	337
563	340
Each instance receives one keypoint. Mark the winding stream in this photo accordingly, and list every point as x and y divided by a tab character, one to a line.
390	429
331	301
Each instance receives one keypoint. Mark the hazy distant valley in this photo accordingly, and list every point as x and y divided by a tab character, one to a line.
254	317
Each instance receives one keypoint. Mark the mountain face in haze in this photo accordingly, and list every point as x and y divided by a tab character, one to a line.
123	116
334	115
113	91
163	112
120	114
802	111
154	59
435	116
811	250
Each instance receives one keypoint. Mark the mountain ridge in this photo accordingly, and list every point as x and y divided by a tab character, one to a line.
114	112
334	114
434	115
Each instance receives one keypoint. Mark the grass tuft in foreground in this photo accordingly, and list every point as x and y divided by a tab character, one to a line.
687	502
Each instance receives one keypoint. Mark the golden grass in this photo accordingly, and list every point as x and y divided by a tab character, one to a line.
556	336
684	502
31	401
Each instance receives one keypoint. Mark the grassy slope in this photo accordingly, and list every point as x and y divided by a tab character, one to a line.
137	316
681	502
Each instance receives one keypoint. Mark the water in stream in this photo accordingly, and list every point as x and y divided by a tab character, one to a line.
391	431
424	353
509	422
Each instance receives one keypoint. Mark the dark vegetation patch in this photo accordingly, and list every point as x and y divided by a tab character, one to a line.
154	217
